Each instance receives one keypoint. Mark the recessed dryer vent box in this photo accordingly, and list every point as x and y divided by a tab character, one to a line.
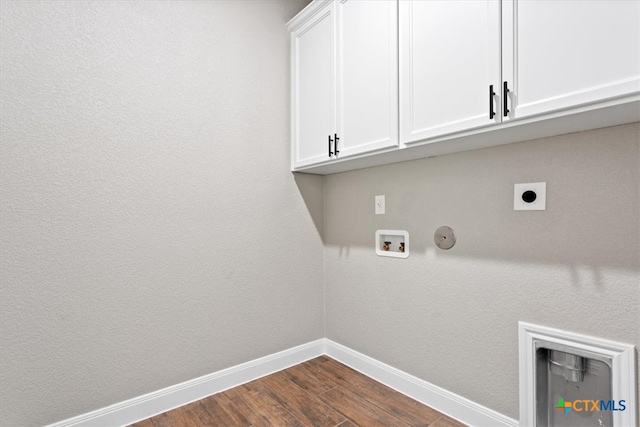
392	243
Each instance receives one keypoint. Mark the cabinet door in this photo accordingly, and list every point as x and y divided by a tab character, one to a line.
449	57
566	53
367	75
313	87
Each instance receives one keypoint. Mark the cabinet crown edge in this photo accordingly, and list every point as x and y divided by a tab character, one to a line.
307	13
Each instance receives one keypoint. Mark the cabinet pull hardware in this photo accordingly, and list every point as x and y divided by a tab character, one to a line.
330	152
505	95
491	95
335	146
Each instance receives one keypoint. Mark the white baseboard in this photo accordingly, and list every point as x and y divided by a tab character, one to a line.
157	402
160	401
436	397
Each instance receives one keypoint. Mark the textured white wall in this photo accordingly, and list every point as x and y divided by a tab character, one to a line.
450	317
151	231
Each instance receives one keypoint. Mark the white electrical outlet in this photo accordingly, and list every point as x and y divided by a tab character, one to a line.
530	197
380	208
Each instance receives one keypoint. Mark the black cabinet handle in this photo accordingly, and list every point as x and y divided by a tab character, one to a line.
491	95
505	96
335	146
330	152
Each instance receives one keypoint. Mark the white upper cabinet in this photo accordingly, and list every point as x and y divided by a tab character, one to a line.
476	63
565	53
382	81
344	80
313	87
449	66
367	76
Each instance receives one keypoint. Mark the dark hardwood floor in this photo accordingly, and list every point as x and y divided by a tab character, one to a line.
318	392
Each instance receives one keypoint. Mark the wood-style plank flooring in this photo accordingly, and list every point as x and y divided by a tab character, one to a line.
320	392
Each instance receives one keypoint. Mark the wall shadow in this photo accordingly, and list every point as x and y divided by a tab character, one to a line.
311	189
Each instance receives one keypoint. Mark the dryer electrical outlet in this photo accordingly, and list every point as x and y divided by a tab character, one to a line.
530	197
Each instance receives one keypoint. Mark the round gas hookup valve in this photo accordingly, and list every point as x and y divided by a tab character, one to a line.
444	238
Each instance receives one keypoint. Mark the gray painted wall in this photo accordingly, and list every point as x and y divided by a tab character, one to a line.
151	231
451	318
